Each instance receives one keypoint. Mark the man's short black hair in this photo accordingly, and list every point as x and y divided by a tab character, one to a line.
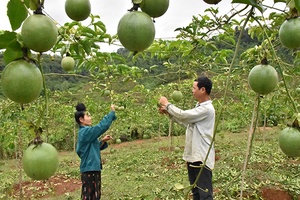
205	82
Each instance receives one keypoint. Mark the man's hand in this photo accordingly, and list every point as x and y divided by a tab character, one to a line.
162	110
163	101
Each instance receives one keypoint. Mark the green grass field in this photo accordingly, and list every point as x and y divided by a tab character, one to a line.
152	169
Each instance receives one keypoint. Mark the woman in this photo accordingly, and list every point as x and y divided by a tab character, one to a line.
88	149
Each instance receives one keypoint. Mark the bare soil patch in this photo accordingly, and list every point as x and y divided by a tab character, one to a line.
275	194
56	186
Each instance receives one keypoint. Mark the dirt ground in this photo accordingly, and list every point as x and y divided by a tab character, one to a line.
60	185
275	194
57	185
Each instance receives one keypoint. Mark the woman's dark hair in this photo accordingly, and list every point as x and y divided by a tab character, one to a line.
205	82
80	110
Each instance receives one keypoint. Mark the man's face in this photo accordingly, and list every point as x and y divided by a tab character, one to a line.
197	93
86	120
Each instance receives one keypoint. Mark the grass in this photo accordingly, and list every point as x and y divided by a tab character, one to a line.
152	169
145	170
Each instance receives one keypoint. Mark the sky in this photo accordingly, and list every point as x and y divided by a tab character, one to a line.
179	14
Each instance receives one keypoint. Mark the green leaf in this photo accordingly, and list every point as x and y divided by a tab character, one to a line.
123	67
100	25
72	24
297	5
33	129
117	57
63	50
88	30
175	44
222	60
137	1
86	46
211	46
178	186
13	52
250	2
16	13
6	37
153	67
33	4
186	52
278	1
75	47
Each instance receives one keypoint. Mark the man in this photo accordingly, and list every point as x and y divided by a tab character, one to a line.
199	123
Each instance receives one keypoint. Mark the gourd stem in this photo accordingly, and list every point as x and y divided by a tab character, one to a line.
44	113
250	141
228	77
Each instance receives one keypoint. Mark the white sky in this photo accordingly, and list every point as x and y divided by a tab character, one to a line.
179	14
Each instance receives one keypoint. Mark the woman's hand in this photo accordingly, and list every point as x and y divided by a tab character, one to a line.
106	138
112	107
